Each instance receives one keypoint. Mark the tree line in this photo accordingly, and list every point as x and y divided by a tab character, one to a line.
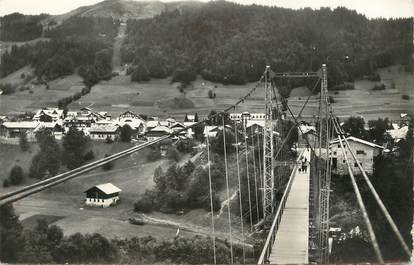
79	44
47	244
19	27
231	44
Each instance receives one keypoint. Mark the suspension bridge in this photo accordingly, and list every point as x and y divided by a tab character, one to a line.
290	196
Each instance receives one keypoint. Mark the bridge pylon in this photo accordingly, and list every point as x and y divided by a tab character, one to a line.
268	148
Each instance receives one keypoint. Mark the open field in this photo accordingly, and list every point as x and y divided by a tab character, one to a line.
37	96
63	204
120	94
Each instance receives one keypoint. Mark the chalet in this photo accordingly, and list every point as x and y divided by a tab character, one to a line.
49	115
11	130
103	195
190	118
397	133
55	127
136	124
190	131
256	125
130	115
151	124
104	132
157	132
247	116
177	127
212	131
79	121
365	152
171	121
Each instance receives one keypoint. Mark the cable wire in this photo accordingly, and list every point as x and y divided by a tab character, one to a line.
211	200
376	196
254	173
227	190
361	204
247	175
240	191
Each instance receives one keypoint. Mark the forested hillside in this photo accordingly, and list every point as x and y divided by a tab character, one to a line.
230	43
19	27
83	43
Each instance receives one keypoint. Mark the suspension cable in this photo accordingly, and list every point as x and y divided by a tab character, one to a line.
247	175
211	200
240	191
360	202
260	160
375	194
255	176
227	191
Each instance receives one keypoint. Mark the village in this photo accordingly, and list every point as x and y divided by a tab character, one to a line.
101	127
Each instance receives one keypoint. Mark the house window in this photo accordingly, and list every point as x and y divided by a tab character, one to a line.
355	164
360	152
335	153
339	146
343	161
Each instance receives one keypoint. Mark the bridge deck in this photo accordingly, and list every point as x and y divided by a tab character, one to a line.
291	243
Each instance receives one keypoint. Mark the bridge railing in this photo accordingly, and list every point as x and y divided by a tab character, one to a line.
264	256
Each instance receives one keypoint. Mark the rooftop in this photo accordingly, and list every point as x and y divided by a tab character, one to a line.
107	188
352	138
21	124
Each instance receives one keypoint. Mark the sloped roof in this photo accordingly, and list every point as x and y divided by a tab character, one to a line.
398	133
177	124
103	129
250	123
107	188
20	124
352	138
161	129
152	123
53	112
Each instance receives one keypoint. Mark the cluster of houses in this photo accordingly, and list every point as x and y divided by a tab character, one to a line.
364	150
101	126
96	125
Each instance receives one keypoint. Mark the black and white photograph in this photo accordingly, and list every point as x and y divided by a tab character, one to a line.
206	132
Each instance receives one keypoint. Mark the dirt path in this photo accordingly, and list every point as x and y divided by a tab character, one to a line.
116	56
191	228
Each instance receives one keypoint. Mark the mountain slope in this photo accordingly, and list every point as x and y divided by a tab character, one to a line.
123	9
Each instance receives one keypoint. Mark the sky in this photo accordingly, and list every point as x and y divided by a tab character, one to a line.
371	8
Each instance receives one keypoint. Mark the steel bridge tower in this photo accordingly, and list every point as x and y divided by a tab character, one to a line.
268	148
324	169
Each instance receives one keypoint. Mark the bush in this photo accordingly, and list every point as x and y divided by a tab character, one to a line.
173	154
145	203
154	154
7	89
379	87
109	140
16	175
108	166
89	156
6	183
211	94
126	133
346	86
375	78
23	143
186	146
184	76
405	96
140	74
